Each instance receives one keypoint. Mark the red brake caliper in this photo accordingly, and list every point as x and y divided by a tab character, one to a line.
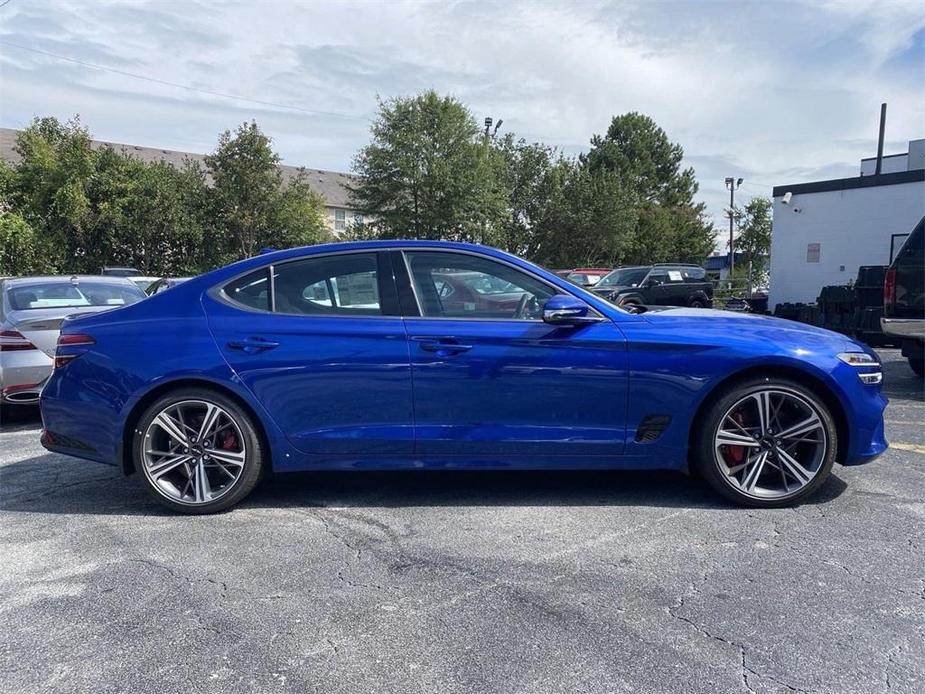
735	455
229	441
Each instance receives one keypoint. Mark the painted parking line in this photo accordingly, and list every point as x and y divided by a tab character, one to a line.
915	448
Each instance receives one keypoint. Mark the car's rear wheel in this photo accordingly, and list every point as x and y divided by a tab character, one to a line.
697	303
198	451
767	442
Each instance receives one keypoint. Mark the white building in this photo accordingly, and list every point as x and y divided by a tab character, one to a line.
825	230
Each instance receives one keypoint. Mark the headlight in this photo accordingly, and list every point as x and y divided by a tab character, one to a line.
858	359
872	375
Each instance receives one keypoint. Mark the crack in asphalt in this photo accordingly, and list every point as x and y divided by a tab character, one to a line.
744	669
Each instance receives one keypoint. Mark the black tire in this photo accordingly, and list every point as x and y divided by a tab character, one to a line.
696	303
256	457
706	463
918	366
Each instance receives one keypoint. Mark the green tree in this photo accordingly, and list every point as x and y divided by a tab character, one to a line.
754	239
672	227
531	177
590	221
56	166
19	250
427	173
251	204
637	149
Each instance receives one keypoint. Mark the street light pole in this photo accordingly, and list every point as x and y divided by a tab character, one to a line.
732	184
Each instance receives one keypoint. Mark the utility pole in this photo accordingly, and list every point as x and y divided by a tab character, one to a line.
733	185
489	137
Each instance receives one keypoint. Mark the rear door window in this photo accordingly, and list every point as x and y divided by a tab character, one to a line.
346	285
251	290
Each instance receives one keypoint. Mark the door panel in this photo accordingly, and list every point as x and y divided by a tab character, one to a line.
491	379
334	384
517	388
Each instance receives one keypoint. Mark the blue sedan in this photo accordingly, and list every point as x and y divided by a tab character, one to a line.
362	356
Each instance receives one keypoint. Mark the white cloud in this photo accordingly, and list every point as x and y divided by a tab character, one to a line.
774	92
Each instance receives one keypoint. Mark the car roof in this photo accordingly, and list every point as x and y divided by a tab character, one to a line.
300	251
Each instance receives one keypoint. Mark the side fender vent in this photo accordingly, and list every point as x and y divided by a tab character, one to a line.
651	427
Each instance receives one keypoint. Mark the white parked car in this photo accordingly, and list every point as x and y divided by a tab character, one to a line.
31	311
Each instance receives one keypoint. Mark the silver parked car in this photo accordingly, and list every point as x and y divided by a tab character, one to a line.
31	311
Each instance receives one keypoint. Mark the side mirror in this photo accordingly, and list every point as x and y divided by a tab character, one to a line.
564	309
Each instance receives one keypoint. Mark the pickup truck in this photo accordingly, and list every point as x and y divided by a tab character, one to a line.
663	284
904	298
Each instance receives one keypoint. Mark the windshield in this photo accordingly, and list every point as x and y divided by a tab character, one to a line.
624	277
71	295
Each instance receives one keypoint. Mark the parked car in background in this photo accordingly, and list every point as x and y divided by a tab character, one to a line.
116	271
664	284
904	298
164	283
586	276
349	357
143	281
476	292
31	311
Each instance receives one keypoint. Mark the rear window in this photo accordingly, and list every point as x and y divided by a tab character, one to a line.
693	274
252	290
72	295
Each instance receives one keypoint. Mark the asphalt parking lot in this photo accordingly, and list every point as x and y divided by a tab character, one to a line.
465	582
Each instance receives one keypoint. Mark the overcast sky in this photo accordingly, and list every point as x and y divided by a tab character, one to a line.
773	92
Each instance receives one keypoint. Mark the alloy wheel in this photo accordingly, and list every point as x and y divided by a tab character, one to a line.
770	444
193	452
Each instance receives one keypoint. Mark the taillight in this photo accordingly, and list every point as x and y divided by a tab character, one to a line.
14	341
75	340
889	288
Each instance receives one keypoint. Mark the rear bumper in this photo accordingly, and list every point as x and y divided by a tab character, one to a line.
913	328
22	375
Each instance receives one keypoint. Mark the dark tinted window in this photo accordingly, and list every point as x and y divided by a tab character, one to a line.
252	290
624	277
345	284
458	285
693	274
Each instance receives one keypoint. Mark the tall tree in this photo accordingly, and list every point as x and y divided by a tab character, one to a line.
672	226
427	172
754	240
252	205
50	189
639	151
531	177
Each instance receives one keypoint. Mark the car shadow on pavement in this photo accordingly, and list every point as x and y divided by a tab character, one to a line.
58	485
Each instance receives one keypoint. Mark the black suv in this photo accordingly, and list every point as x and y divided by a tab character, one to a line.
664	284
904	298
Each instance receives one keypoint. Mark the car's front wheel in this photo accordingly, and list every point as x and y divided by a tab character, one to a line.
766	442
198	451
